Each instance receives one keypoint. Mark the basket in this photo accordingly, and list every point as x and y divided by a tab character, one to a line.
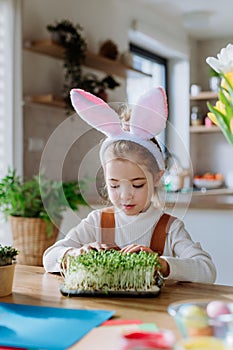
31	239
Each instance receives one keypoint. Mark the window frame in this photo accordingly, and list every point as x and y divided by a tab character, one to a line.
144	53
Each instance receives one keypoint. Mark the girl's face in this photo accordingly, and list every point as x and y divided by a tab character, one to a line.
130	186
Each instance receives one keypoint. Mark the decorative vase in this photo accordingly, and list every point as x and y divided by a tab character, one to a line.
6	278
30	237
214	84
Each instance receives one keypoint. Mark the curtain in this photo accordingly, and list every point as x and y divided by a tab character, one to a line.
11	134
11	139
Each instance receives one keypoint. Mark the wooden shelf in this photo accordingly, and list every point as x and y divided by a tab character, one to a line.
216	191
204	95
49	100
204	129
52	49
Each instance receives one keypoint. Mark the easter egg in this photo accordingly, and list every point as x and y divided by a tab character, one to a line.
194	316
216	308
204	331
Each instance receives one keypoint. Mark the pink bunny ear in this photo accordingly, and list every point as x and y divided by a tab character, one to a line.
96	112
149	115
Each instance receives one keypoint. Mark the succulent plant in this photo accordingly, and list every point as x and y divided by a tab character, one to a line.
7	255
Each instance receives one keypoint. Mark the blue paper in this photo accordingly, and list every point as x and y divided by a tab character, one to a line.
40	327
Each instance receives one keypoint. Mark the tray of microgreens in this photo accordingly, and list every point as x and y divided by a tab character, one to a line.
111	272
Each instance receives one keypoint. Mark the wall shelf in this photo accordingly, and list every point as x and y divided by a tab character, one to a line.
95	61
216	191
204	95
201	98
203	129
48	100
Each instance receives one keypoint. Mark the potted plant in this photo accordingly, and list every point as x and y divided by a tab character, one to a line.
34	209
69	36
111	271
7	267
98	86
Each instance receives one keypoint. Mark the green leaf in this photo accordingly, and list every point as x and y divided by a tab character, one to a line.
228	105
222	123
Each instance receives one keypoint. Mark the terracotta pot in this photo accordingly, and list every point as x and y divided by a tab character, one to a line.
6	278
30	237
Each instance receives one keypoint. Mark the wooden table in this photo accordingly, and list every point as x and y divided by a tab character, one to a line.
35	287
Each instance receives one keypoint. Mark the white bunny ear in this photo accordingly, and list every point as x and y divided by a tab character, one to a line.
95	112
149	115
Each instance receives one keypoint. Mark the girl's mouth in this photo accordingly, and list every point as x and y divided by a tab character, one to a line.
128	206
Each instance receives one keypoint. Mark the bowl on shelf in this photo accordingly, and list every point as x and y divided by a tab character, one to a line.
204	319
208	180
208	184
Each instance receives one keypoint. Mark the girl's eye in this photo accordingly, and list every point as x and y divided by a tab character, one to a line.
138	186
114	186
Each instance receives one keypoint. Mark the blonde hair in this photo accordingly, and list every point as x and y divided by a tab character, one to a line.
128	150
124	115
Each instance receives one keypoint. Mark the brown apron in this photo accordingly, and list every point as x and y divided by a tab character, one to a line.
158	237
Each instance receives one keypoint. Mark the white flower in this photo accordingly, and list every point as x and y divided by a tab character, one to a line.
224	61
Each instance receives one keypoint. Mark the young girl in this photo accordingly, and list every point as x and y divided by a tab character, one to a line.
133	166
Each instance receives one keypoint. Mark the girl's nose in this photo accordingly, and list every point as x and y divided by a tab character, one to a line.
126	191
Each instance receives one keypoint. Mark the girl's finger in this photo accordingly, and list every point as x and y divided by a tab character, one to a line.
95	246
104	246
146	249
99	247
132	249
115	247
127	247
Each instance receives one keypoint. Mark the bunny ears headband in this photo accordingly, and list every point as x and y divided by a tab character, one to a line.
148	119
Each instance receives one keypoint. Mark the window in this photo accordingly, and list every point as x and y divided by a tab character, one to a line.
150	63
156	67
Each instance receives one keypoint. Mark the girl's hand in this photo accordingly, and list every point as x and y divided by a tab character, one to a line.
133	248
164	269
91	246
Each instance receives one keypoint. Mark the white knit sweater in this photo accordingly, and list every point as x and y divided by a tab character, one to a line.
186	259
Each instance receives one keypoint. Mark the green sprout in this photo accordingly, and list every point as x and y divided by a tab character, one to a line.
110	271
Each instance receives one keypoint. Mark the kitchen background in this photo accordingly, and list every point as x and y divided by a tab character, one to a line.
72	143
122	23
